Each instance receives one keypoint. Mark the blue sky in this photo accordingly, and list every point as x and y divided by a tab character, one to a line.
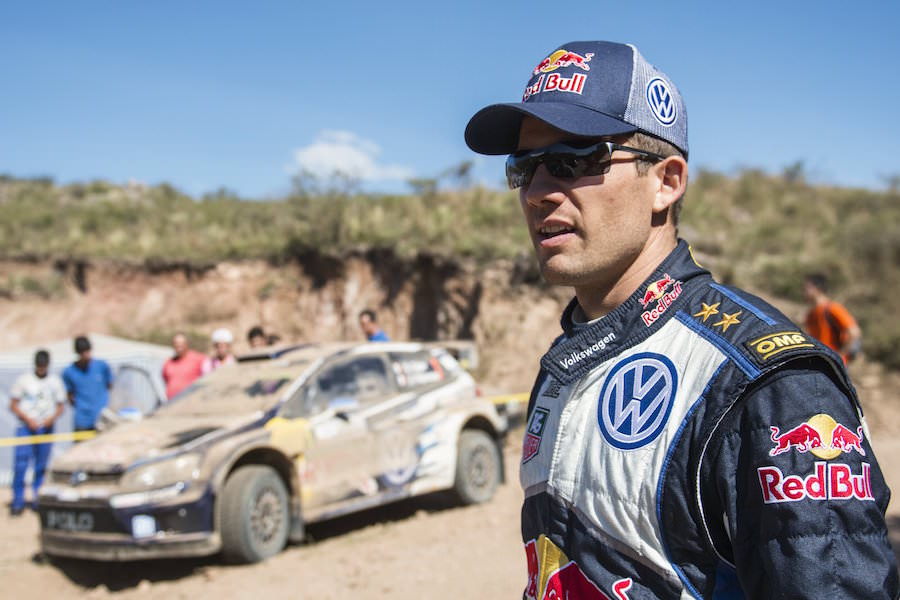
210	94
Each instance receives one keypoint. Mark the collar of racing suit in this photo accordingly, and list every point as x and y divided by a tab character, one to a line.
583	346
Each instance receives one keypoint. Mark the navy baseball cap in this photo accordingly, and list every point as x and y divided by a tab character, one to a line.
588	89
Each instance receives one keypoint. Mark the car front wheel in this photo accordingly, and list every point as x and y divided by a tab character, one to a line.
478	467
254	517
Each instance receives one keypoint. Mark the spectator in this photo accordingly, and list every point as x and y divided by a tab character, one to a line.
829	321
183	368
88	382
37	400
221	340
257	337
369	325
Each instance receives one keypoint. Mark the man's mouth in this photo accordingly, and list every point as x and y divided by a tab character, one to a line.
546	232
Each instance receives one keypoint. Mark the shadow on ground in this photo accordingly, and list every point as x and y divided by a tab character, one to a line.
119	576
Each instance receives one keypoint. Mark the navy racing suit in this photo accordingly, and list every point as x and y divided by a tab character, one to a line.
694	443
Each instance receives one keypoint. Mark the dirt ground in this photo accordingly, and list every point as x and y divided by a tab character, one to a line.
419	548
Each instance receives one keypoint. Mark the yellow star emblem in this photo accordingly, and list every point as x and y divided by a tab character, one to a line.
728	320
708	311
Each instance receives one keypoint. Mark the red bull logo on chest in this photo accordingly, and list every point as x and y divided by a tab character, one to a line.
659	292
552	576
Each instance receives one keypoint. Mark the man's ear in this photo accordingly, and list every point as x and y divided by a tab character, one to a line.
671	177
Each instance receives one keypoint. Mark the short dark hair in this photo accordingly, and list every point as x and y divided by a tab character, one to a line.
82	344
368	313
41	358
644	141
255	331
819	280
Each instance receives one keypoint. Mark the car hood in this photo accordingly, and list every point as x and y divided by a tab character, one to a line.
158	436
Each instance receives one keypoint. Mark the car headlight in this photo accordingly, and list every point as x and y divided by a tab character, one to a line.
163	474
149	497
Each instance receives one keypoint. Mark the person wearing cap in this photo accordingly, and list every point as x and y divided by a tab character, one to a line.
183	368
683	437
221	341
88	381
37	398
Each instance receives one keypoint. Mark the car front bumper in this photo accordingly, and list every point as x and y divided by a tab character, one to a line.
94	530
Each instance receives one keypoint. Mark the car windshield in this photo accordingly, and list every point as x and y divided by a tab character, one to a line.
232	390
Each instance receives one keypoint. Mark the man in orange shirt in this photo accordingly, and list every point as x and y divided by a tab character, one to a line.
829	321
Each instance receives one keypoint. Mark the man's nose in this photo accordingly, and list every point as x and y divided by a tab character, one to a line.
544	188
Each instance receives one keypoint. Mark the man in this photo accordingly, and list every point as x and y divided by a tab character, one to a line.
684	439
828	321
221	341
88	381
256	337
368	323
183	368
37	399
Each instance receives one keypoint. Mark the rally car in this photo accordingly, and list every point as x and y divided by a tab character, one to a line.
240	461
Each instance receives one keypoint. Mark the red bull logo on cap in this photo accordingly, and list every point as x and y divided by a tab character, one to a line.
563	58
821	435
554	82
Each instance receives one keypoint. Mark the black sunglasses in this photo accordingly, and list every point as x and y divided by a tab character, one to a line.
565	161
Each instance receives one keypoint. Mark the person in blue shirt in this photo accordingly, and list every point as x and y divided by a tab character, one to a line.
369	325
88	382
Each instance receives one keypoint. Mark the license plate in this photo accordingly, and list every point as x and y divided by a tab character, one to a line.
69	520
143	526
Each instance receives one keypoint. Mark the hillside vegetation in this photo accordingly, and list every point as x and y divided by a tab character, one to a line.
760	231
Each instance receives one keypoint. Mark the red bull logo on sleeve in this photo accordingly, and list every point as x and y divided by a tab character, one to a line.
552	576
658	292
822	436
828	481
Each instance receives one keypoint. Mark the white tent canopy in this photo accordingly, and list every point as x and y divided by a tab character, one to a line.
136	365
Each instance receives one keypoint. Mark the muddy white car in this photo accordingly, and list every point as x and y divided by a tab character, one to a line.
245	457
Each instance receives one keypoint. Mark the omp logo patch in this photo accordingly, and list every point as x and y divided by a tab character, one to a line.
775	343
531	445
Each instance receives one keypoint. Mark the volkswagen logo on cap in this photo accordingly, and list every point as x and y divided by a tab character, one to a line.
661	102
636	400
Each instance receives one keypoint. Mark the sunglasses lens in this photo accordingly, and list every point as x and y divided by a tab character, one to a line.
562	161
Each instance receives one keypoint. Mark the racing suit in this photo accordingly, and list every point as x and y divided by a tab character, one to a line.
694	443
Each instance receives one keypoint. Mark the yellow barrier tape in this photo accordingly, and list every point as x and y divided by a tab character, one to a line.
506	398
75	436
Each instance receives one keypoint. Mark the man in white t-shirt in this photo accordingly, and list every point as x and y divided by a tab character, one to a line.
37	400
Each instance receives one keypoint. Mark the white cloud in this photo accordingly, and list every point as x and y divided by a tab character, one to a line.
345	152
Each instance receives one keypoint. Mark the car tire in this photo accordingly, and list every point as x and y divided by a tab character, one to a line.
478	467
255	520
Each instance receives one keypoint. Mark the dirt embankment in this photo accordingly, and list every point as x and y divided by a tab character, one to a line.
314	298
